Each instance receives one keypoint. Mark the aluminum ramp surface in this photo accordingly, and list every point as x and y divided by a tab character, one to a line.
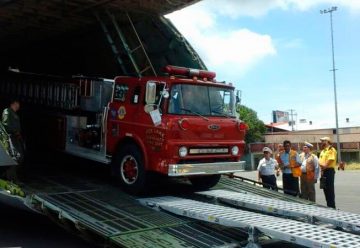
122	222
337	218
283	229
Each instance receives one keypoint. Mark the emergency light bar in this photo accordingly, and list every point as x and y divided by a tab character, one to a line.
189	72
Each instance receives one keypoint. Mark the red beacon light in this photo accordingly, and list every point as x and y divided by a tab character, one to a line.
189	72
184	124
242	126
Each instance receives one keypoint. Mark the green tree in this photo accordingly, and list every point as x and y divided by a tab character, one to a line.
257	128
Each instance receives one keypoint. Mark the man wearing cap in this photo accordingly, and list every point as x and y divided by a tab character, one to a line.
280	150
327	163
310	172
290	164
266	170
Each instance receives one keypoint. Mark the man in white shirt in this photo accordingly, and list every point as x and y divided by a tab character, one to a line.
266	170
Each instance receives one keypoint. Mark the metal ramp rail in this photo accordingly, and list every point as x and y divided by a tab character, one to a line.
312	213
44	90
283	229
238	184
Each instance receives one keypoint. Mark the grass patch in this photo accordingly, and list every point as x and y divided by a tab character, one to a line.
352	166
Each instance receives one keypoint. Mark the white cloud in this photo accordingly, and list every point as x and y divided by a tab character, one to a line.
219	48
241	48
236	8
258	8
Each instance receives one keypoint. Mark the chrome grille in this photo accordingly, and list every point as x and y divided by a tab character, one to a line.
218	150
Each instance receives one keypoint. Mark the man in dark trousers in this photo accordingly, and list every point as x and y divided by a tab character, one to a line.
290	164
327	163
11	122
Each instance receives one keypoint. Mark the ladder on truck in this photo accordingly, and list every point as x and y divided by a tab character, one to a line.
45	91
283	229
312	213
131	42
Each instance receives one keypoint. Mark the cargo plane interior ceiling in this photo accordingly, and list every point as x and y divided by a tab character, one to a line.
92	37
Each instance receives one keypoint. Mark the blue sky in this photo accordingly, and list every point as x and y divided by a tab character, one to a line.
278	53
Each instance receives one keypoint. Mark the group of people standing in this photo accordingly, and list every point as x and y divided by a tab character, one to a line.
300	172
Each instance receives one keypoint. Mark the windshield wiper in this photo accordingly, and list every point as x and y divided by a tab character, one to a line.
193	112
222	114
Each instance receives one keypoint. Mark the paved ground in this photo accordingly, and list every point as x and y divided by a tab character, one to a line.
347	186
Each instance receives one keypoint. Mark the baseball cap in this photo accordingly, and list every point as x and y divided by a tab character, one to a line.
309	145
325	138
267	149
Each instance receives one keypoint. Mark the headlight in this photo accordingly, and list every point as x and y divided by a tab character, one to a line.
234	150
183	151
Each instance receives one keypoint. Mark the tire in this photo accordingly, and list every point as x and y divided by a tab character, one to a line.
128	168
204	182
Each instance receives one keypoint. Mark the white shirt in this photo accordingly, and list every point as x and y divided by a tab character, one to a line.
267	167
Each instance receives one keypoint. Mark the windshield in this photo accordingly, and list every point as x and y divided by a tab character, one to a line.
201	100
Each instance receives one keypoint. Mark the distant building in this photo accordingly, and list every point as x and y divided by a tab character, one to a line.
304	124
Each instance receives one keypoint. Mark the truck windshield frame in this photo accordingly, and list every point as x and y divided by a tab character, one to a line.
204	100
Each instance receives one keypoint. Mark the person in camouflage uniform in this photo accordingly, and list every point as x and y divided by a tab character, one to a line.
11	123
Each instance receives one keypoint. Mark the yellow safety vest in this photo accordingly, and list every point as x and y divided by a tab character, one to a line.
295	168
310	166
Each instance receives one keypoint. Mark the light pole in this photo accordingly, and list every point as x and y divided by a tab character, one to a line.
292	113
334	78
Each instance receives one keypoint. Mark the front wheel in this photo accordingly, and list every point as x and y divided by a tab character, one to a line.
204	182
128	168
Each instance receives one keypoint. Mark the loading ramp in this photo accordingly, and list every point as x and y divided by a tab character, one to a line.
283	229
104	215
312	213
128	224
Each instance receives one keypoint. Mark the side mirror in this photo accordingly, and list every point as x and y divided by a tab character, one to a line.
165	93
150	94
238	97
238	101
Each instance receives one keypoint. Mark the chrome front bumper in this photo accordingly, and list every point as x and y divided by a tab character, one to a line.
176	170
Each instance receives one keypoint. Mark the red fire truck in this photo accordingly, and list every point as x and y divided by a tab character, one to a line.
179	125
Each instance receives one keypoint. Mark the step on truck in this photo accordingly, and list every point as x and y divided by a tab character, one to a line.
182	124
